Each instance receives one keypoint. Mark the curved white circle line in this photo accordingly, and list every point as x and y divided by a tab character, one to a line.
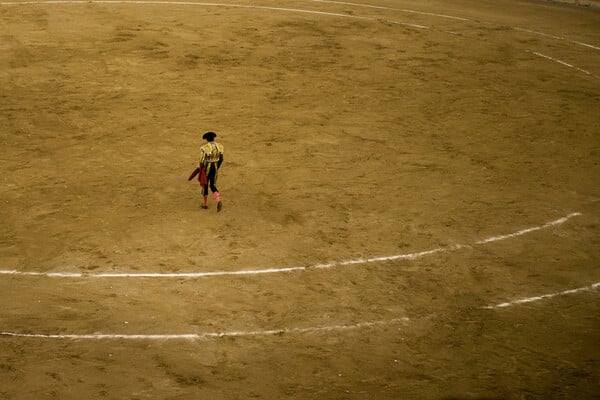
390	8
206	4
296	10
272	332
207	335
593	286
556	37
566	64
188	3
331	264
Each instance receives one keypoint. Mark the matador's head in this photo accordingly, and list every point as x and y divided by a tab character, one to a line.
209	136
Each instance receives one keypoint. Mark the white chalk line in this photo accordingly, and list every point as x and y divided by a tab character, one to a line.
557	38
189	3
563	63
272	332
206	335
14	3
559	221
390	8
152	275
186	3
545	296
410	25
332	264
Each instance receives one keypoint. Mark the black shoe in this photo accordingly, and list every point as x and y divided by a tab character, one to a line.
219	206
203	206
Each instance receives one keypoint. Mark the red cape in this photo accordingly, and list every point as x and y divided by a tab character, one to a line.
201	172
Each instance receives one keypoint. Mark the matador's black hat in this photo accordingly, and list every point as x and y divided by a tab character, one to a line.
209	136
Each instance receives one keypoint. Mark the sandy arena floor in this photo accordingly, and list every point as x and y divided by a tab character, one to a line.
398	176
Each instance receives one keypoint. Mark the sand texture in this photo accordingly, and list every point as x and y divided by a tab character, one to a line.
370	152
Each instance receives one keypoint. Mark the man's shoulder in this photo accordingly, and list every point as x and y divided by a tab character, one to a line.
208	147
205	147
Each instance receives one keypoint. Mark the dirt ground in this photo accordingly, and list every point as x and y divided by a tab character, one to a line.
350	133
